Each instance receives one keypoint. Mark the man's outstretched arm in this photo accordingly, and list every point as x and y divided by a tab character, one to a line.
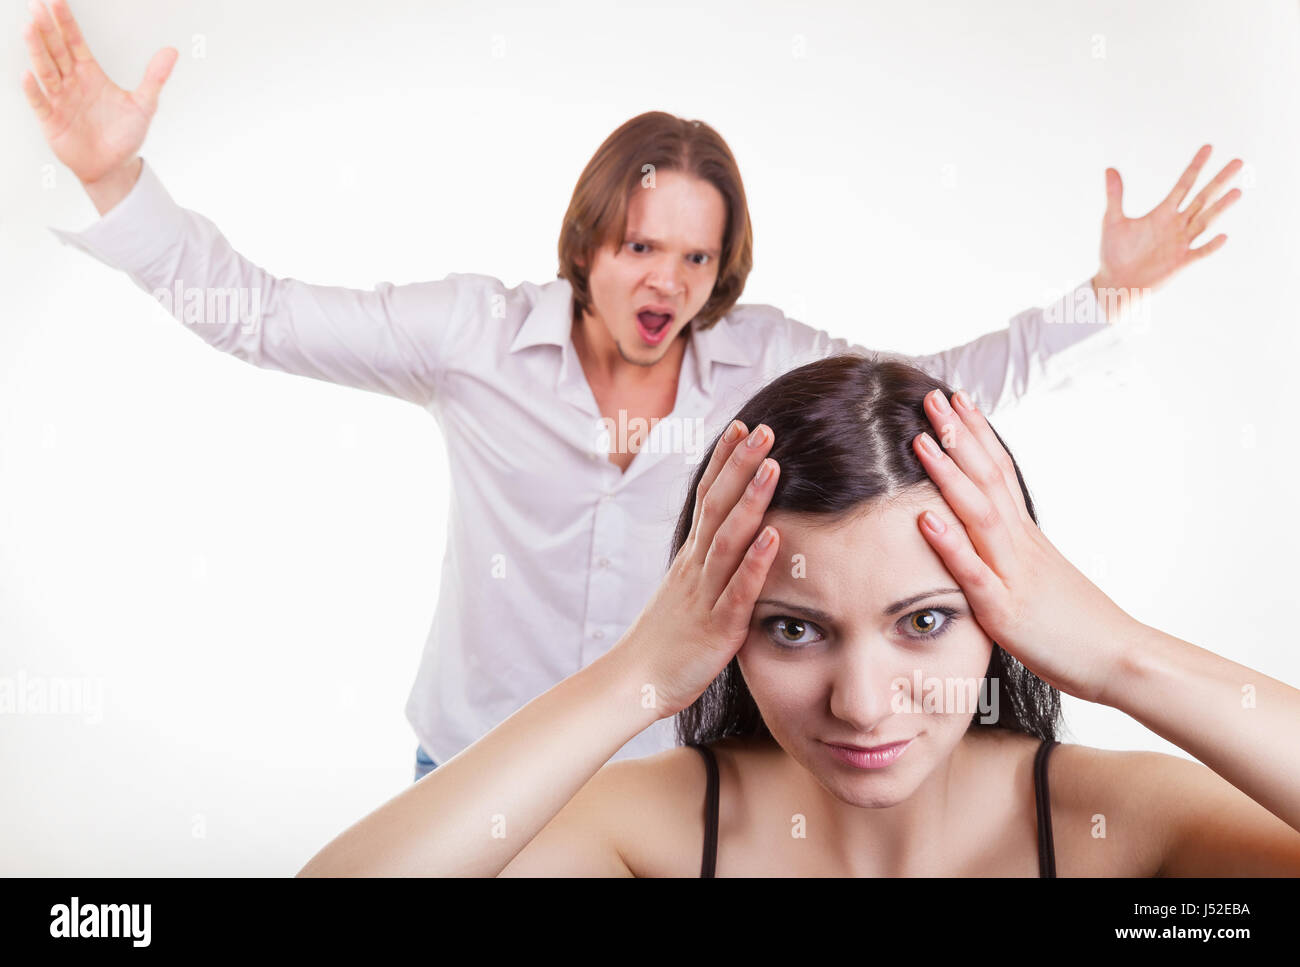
1038	346
390	339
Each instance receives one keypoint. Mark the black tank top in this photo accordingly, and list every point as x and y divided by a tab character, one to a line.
1042	800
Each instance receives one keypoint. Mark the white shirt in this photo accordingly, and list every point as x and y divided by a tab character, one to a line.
551	551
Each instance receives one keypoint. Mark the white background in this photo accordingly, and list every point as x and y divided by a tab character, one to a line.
246	562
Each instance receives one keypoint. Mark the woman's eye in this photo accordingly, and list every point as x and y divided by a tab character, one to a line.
927	623
788	632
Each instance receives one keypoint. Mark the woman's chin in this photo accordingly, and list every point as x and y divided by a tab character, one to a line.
867	788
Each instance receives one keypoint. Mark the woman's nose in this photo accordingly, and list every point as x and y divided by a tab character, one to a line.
866	690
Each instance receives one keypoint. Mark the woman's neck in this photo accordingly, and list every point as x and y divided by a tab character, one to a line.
880	836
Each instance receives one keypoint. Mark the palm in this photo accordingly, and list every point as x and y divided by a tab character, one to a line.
92	125
1144	253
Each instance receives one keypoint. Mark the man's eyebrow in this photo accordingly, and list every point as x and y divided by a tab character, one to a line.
821	616
646	239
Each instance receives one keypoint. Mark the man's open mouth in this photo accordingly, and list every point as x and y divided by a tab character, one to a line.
653	322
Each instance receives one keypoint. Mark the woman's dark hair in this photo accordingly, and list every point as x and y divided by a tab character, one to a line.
843	430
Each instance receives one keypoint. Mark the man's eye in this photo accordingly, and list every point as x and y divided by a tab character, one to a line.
787	632
642	244
704	258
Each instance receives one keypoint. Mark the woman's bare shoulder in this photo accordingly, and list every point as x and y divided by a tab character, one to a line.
1137	812
658	805
1097	799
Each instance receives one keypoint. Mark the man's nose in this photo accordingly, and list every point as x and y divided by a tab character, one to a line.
666	276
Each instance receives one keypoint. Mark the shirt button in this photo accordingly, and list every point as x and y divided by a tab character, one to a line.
598	633
603	561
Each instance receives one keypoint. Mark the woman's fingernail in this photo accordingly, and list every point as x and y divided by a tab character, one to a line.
757	437
963	400
941	401
933	523
764	472
765	538
733	432
930	446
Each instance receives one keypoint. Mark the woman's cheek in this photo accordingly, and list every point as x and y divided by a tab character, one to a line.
783	690
951	673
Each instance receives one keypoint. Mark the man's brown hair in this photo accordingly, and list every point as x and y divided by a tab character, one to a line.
597	212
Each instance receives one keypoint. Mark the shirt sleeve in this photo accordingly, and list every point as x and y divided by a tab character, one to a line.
1038	349
392	339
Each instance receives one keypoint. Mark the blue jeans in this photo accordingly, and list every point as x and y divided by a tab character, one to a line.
423	764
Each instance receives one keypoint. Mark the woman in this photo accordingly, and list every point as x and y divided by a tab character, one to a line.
888	575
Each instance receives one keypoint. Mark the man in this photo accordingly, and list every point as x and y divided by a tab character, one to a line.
573	411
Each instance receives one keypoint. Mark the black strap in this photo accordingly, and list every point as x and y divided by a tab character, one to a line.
1043	800
709	862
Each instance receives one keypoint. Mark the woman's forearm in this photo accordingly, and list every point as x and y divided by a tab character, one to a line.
475	812
1239	722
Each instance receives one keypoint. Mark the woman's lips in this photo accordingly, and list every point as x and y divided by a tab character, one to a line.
876	757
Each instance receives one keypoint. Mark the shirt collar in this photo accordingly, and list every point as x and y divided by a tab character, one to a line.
550	322
719	343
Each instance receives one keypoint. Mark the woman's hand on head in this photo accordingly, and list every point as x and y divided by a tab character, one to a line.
700	615
1027	597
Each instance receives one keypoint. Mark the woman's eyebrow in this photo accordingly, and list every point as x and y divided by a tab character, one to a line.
813	613
898	606
818	615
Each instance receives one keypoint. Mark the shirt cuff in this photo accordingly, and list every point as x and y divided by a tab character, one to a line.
1075	335
136	230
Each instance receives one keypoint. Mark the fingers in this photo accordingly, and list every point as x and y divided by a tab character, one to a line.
155	75
1184	185
735	605
980	429
35	98
71	32
729	542
52	39
734	433
957	427
1202	221
1209	248
42	63
726	489
1204	195
971	483
977	580
1114	195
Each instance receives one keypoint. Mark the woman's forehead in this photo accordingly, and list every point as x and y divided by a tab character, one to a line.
877	551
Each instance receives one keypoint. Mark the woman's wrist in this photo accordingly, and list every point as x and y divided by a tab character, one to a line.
1142	651
625	676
